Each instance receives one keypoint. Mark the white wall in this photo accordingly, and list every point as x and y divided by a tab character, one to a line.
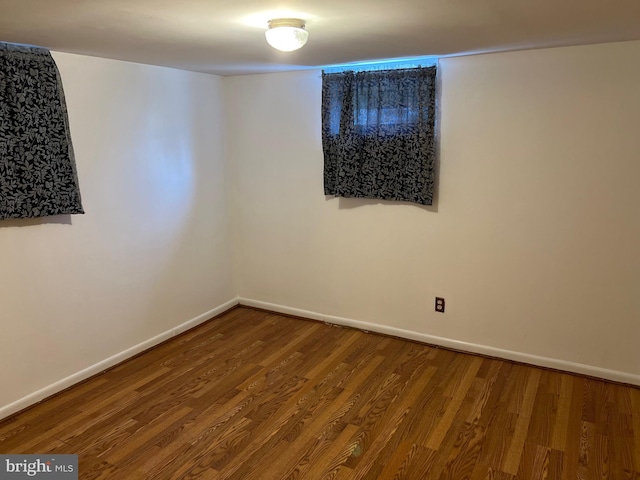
154	249
535	238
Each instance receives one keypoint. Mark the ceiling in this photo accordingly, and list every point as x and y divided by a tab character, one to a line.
227	37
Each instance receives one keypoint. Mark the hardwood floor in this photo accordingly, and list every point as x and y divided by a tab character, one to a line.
254	395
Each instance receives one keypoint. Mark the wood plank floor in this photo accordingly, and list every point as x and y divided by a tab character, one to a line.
254	395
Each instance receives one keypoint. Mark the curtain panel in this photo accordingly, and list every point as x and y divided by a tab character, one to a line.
37	166
378	134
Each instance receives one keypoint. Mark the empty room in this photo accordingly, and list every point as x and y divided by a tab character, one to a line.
320	240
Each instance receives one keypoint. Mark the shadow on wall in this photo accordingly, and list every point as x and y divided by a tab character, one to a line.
185	176
30	222
350	203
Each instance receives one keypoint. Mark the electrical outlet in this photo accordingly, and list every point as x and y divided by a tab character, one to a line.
440	304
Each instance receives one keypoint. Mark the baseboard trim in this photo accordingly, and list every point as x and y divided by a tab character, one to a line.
554	363
107	363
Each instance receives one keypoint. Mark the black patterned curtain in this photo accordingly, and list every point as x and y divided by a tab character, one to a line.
378	134
37	167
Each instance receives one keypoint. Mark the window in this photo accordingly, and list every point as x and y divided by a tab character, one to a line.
37	167
378	134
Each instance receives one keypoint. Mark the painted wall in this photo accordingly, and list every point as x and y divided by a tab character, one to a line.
153	249
534	240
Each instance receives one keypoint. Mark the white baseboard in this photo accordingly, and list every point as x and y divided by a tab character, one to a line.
71	380
557	364
103	365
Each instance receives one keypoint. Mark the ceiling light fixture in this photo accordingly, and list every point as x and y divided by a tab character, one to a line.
286	34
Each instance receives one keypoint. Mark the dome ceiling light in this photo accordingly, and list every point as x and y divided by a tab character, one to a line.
286	34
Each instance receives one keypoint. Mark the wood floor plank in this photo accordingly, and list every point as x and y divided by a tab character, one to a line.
369	458
316	436
543	414
534	464
513	394
635	415
614	451
490	378
465	452
420	464
572	444
498	437
560	429
298	413
395	466
556	464
512	460
443	426
408	400
253	395
331	458
586	462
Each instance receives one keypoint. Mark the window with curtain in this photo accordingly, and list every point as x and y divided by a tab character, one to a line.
378	134
37	167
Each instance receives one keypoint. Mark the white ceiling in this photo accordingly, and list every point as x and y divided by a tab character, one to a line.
227	37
